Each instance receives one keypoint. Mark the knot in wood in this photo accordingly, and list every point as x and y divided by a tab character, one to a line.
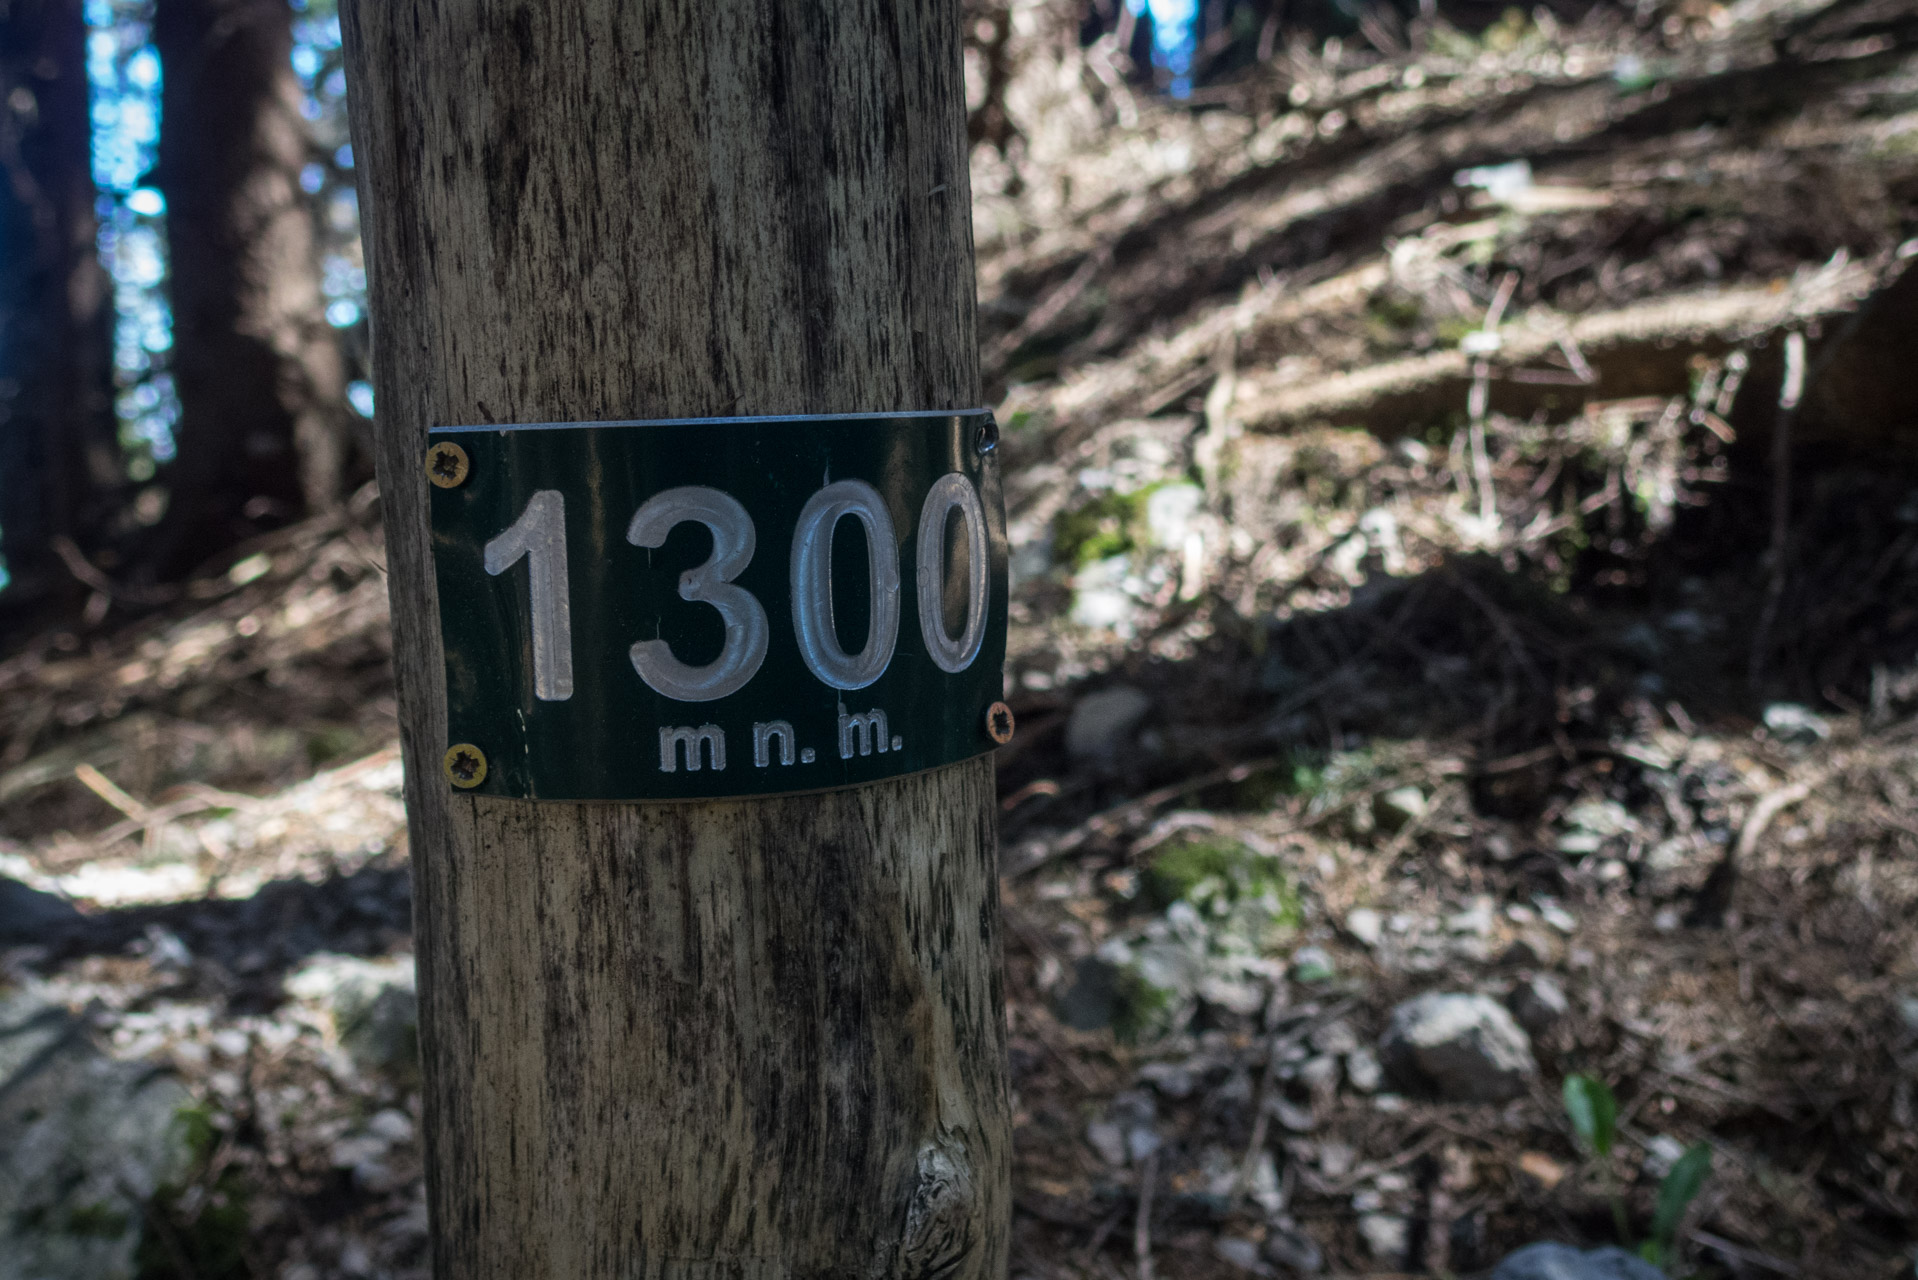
939	1233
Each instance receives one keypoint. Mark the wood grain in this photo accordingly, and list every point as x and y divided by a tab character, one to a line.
737	1039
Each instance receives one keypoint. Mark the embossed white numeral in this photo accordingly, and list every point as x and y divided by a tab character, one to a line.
952	492
812	585
540	536
747	631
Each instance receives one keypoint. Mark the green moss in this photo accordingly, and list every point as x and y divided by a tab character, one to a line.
1221	876
1395	310
208	1242
1111	524
1142	1008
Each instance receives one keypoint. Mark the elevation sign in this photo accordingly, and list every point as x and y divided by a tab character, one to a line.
717	607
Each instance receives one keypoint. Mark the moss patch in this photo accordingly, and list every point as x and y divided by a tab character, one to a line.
1111	524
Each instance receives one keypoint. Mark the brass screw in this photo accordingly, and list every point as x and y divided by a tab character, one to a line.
465	765
999	723
447	465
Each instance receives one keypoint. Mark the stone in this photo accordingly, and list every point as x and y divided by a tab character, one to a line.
1387	1235
1363	1070
1399	806
1539	1004
1102	722
1336	1036
1288	1246
1240	1253
1313	964
1320	1076
1366	925
1458	1047
1094	999
1562	1262
374	1008
88	1141
1108	1139
1478	920
1789	722
1336	1159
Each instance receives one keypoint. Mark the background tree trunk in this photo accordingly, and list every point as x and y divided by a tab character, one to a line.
756	1038
60	465
263	429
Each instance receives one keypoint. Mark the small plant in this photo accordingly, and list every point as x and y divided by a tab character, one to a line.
1593	1110
1681	1186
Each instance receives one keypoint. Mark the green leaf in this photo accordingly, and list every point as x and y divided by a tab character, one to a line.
1680	1188
1593	1112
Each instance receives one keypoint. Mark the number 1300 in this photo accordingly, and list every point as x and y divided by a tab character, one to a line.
539	537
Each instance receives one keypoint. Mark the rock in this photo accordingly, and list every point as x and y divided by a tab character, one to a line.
1366	925
1240	1253
1174	1080
1562	1262
29	915
1131	1116
1336	1036
1789	722
1478	920
1336	1159
1539	1004
1399	806
1168	513
88	1140
1313	964
374	1007
1100	601
1264	1188
1094	999
1102	722
1290	1114
1108	1139
1288	1246
1363	1070
1320	1076
1387	1235
1462	1048
1590	823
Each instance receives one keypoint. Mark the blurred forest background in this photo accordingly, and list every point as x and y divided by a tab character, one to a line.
1462	482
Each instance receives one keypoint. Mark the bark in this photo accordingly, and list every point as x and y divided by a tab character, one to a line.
263	429
751	1038
60	467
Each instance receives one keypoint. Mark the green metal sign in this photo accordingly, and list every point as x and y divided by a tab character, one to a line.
717	607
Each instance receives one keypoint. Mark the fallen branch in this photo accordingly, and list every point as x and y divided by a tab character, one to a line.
1604	338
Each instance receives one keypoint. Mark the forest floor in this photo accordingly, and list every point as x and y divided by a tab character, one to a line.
1465	537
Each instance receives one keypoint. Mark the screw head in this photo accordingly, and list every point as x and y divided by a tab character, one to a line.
464	765
986	439
999	723
447	465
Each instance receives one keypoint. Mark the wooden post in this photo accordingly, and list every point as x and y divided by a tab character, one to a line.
740	1039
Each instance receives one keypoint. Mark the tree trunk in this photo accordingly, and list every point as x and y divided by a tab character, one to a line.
263	428
742	1038
60	466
